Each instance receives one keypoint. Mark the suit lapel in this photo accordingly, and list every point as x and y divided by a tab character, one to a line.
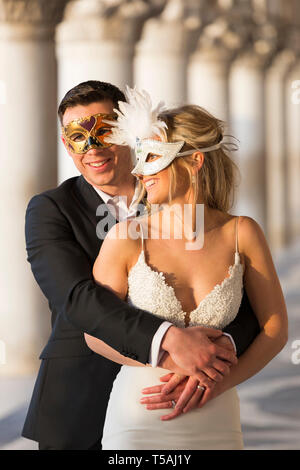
90	201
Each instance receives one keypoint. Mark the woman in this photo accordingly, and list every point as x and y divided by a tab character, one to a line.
181	162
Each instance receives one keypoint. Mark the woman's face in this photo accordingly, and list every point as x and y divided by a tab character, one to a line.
157	185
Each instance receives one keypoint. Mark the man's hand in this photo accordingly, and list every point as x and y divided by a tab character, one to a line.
196	351
183	390
225	342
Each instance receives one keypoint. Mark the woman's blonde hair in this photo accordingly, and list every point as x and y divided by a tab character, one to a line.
217	177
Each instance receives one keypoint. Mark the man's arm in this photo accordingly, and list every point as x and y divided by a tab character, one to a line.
245	327
64	273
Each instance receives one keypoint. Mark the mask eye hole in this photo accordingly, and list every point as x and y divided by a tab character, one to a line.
102	131
77	137
151	157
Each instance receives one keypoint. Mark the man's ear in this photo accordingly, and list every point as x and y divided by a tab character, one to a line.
66	147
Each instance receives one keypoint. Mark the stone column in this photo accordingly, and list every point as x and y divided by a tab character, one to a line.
96	41
276	150
247	124
161	55
28	165
208	79
292	86
247	103
209	65
293	151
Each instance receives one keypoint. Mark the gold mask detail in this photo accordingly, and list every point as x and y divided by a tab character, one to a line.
88	133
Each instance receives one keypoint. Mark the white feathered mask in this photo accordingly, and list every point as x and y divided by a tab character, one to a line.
136	126
136	119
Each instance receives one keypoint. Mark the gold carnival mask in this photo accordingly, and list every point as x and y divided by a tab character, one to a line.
88	133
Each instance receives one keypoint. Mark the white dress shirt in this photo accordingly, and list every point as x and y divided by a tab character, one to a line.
123	212
119	203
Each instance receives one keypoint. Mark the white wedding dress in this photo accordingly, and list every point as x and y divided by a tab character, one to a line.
128	424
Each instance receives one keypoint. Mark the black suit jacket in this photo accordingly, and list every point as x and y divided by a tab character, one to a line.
68	405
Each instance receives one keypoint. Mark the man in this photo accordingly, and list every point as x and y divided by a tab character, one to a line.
69	401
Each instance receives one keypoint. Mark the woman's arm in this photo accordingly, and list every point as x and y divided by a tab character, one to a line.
104	350
265	294
111	271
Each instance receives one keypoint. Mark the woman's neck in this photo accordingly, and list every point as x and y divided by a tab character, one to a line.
187	216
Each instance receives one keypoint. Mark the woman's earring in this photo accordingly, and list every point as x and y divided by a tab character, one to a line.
193	179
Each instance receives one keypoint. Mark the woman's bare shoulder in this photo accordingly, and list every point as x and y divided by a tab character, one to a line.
245	224
250	234
247	230
249	226
124	238
124	235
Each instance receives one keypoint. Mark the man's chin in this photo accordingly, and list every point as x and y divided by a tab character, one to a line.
99	181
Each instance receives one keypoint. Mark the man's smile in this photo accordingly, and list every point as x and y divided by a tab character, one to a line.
99	164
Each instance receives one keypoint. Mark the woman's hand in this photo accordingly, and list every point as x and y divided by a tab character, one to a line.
209	394
163	400
183	390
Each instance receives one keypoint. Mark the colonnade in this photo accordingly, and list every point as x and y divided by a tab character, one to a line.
237	58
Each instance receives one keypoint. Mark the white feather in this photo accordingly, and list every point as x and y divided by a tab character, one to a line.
136	119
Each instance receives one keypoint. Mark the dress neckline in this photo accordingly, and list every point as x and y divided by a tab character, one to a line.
160	275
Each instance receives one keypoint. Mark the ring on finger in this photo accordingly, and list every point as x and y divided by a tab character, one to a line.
173	402
199	387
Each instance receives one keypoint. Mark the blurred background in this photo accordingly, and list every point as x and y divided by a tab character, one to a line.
240	59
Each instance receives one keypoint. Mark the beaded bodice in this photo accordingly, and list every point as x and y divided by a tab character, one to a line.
148	290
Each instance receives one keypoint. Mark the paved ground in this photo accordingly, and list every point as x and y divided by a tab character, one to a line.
270	402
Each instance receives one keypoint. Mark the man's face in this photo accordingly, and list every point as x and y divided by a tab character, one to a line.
115	161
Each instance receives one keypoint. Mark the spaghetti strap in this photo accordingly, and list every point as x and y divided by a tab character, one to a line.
236	254
236	234
142	236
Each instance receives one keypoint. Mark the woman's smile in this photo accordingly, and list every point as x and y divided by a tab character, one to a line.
150	183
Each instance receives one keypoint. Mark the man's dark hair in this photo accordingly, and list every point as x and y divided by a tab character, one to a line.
88	92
